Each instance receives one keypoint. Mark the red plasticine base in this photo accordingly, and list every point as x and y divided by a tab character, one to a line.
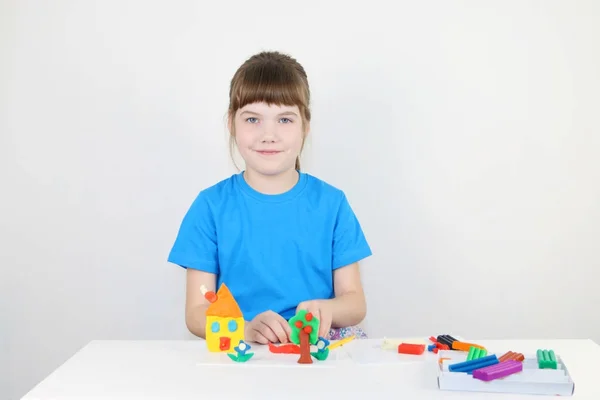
284	348
408	348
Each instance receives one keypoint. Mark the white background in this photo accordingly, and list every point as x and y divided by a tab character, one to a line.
466	135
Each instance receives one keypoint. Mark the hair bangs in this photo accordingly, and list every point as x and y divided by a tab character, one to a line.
271	83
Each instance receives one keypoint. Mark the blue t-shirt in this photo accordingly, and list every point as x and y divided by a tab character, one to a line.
272	251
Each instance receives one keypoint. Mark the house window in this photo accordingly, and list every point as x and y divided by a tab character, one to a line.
215	327
232	325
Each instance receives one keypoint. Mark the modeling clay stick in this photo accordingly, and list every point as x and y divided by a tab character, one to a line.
546	359
463	346
511	356
506	356
468	366
341	342
498	371
475	353
471	354
450	338
442	340
284	348
446	339
442	346
408	348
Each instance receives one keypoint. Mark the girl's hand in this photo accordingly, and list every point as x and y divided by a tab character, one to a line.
268	327
322	311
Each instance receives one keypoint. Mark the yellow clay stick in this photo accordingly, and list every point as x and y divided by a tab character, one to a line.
340	342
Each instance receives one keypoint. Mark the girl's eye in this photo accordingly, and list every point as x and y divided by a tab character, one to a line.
285	120
252	120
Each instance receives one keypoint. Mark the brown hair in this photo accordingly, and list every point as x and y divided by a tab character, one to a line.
273	78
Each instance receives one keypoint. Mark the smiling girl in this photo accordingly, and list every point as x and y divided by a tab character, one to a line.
281	240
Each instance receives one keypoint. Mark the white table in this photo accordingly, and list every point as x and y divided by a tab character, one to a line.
177	370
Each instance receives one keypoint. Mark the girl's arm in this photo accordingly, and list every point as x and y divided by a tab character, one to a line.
195	303
349	306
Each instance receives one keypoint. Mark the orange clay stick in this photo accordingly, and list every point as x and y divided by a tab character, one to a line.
462	346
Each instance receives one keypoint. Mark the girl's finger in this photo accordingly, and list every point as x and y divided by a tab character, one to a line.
285	325
317	314
287	328
325	326
279	331
260	338
265	330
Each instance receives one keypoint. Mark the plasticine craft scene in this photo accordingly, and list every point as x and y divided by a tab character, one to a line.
461	365
225	332
224	321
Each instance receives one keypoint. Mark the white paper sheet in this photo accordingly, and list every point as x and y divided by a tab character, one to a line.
263	357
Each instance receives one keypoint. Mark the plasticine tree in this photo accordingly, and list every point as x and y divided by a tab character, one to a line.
305	331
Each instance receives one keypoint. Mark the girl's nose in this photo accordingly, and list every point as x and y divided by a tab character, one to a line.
268	137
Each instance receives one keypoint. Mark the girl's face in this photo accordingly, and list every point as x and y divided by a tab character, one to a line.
269	137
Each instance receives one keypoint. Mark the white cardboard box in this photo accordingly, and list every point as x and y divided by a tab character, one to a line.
531	380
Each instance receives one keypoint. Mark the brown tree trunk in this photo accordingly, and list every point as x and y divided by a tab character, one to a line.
305	357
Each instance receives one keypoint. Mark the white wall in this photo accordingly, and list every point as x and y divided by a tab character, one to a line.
466	135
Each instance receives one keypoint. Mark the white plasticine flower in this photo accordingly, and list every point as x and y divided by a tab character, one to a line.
321	345
242	346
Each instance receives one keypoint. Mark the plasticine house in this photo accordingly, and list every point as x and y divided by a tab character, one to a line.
224	321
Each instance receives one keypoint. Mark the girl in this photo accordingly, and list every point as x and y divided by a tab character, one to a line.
280	239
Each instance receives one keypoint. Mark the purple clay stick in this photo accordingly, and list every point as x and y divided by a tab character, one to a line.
499	370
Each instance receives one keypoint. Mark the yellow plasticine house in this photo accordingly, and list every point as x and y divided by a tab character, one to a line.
224	321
